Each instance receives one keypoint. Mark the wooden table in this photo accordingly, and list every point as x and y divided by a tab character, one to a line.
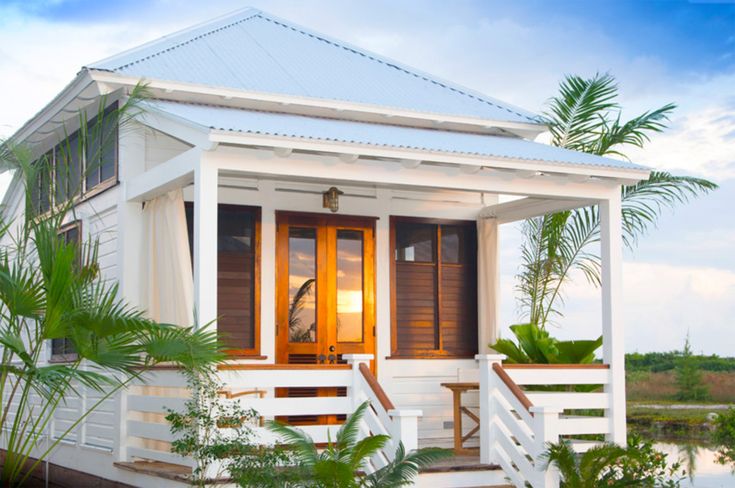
459	409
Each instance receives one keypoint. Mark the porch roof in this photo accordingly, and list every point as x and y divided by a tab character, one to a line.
228	119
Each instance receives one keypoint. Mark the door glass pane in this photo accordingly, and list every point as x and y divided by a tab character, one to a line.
301	285
349	286
415	242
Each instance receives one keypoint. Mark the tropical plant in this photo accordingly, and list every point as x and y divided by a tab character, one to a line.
296	330
610	465
724	437
585	116
216	433
688	377
341	463
535	345
52	289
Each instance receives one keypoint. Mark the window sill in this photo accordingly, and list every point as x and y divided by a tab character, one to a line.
63	358
431	356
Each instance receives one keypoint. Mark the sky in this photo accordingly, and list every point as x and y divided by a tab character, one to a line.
681	277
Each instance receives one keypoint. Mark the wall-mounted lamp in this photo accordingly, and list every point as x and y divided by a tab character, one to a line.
330	199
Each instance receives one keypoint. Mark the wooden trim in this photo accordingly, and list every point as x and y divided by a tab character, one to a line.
557	366
375	386
514	388
255	357
320	215
429	220
282	367
437	355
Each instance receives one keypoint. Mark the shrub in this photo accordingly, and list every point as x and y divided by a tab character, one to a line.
724	437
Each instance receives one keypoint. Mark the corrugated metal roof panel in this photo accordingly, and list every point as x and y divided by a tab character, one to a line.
289	125
252	50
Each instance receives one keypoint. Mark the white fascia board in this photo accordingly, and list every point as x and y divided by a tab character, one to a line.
276	102
177	127
171	174
59	104
626	176
388	174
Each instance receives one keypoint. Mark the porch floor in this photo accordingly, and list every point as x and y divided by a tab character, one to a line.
460	462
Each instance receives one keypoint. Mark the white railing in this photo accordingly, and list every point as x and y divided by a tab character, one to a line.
519	418
146	435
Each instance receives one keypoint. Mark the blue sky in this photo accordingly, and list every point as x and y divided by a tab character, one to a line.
682	276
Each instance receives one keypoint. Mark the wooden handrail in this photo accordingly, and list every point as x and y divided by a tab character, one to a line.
375	386
556	366
229	394
283	367
515	389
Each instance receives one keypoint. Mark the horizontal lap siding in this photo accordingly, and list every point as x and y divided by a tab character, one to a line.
416	312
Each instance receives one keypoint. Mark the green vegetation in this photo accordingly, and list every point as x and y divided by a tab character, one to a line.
689	377
535	345
585	116
666	361
52	289
609	465
724	437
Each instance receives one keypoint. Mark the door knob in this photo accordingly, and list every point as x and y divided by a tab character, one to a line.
332	358
322	358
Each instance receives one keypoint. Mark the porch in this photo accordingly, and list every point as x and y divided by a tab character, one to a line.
289	177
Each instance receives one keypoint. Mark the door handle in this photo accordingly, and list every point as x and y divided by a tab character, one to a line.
322	358
332	358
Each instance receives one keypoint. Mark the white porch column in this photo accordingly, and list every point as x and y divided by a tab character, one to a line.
205	243
487	405
488	282
612	324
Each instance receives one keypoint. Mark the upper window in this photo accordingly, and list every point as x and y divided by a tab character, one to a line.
77	166
434	288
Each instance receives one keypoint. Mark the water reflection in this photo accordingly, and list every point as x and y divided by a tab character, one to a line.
701	465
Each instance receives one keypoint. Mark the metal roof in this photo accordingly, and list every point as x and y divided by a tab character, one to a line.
252	50
379	135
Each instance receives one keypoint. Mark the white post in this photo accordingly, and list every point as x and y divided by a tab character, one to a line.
355	360
613	336
205	244
487	404
406	427
545	431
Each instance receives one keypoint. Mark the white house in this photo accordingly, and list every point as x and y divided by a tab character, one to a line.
296	162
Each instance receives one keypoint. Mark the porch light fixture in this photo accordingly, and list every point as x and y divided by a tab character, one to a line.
330	199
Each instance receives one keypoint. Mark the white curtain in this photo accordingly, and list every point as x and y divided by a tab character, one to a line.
488	282
169	284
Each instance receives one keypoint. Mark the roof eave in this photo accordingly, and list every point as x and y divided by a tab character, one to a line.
276	102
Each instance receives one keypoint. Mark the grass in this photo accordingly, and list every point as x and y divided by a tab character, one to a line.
665	423
660	387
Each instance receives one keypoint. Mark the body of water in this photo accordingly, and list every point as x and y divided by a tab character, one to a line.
701	461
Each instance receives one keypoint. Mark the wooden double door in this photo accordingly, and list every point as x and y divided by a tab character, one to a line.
325	288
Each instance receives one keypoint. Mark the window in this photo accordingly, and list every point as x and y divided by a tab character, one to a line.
238	268
74	161
63	349
434	288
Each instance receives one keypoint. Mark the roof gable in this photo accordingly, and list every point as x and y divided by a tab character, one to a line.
252	50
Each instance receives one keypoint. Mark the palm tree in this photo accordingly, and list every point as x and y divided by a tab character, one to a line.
340	463
585	116
52	289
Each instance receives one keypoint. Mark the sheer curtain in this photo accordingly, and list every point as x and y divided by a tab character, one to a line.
168	277
488	282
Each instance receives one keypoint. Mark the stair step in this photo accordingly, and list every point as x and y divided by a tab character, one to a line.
169	471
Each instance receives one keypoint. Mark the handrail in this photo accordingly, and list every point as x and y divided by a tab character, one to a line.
285	367
229	394
513	387
556	366
377	389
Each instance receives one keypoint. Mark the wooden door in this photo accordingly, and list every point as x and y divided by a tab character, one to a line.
325	287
